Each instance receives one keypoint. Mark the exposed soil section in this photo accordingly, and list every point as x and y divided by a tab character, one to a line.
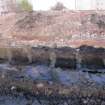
77	76
42	61
65	28
64	57
53	76
16	86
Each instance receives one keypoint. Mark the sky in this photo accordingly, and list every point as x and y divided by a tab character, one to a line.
47	4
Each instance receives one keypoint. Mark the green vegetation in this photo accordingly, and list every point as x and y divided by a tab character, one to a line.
25	5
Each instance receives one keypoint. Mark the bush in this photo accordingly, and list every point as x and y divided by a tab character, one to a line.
59	6
25	5
99	20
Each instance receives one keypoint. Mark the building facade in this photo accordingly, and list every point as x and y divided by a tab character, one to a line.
100	4
90	4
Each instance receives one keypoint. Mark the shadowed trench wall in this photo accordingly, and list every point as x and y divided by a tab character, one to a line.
65	57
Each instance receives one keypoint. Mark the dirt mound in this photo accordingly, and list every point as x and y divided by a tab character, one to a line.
66	28
30	20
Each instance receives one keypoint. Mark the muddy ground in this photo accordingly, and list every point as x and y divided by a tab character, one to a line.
52	76
42	85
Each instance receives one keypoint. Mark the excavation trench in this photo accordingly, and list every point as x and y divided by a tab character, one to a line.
37	85
56	76
64	57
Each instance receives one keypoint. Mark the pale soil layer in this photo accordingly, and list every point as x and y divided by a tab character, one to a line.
65	28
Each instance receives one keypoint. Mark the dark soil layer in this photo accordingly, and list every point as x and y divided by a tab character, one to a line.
64	84
19	89
53	94
65	57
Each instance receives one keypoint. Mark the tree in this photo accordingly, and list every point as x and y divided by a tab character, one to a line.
59	6
25	5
